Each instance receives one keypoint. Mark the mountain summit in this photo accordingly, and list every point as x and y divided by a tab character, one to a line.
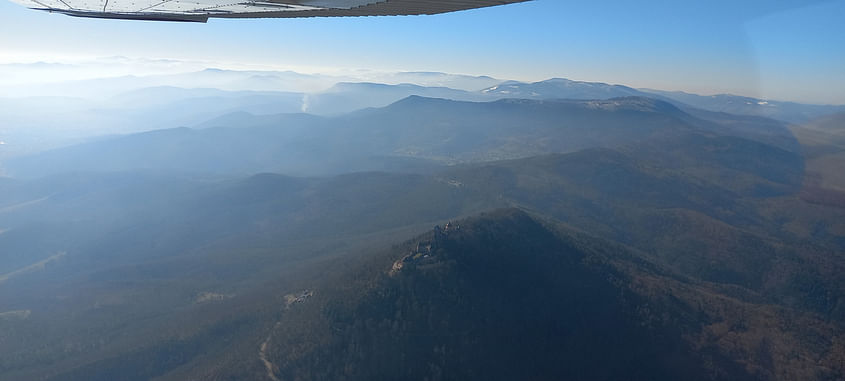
496	297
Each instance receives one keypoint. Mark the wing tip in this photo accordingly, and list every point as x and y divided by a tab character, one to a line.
377	8
170	17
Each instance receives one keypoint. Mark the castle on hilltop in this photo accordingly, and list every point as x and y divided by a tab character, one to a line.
426	249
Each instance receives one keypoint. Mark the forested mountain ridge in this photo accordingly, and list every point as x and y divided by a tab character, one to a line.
714	241
496	297
415	134
503	296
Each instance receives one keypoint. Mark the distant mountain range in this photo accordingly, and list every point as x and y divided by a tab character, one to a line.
731	104
561	89
348	97
85	109
413	134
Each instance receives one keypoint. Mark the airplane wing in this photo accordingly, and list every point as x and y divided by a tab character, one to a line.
202	10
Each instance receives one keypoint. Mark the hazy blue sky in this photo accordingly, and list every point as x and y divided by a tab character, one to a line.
790	50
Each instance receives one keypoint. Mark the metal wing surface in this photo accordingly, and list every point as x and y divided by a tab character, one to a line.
202	10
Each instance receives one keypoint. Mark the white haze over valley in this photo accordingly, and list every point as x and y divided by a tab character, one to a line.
45	105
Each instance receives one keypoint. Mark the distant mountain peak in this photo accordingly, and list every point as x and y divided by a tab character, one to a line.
418	100
743	105
353	87
561	88
634	103
449	241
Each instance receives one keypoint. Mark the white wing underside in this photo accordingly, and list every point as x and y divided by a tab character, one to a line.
201	10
